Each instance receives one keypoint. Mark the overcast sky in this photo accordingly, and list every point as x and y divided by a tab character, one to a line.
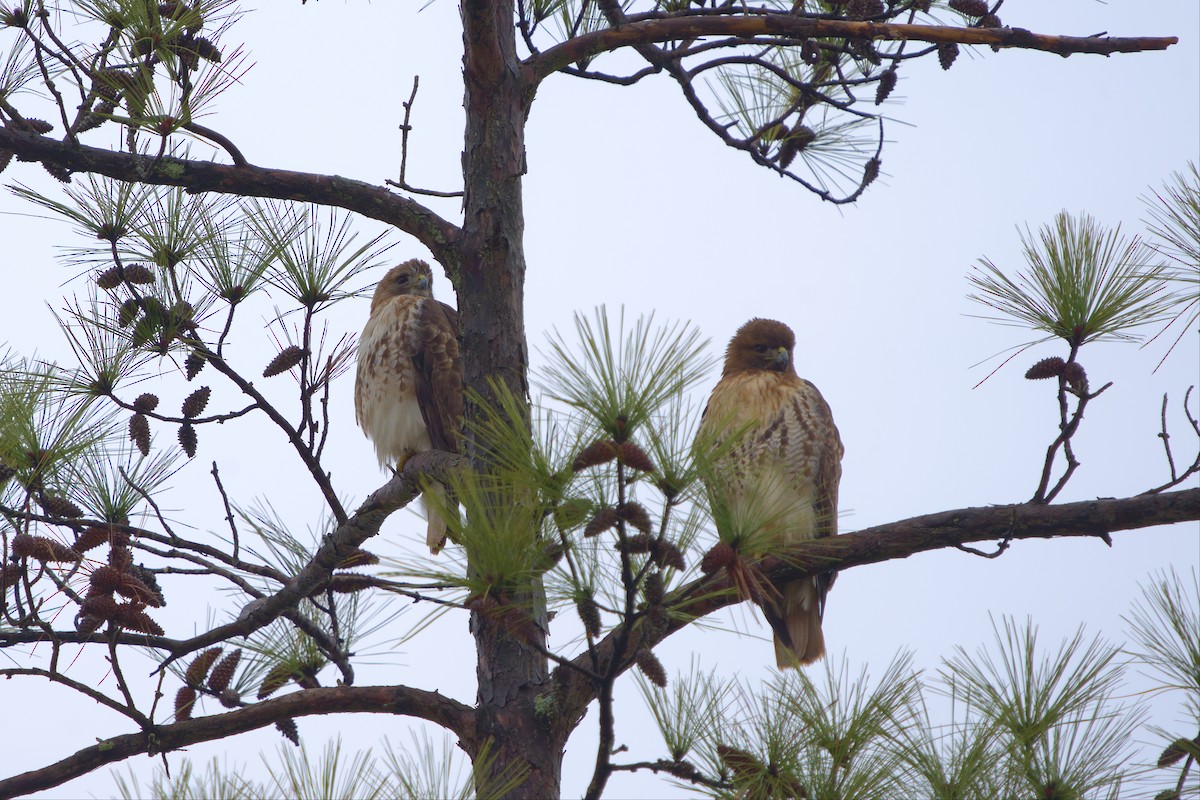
630	202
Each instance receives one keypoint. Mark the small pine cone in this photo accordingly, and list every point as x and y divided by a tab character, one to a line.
350	582
634	457
109	278
38	126
1076	376
101	606
971	8
666	554
43	549
234	293
864	9
1175	752
229	698
196	401
277	677
604	519
5	159
788	150
187	439
222	673
887	82
57	506
289	357
145	403
185	698
132	616
657	619
105	579
193	364
357	558
120	556
289	730
207	50
138	273
132	586
742	763
200	665
139	432
128	313
10	574
59	173
947	52
639	543
1050	367
654	588
635	514
870	172
598	452
96	535
589	614
922	5
990	21
87	624
719	557
652	668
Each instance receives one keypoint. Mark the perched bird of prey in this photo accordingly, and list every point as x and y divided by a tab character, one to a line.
408	395
778	482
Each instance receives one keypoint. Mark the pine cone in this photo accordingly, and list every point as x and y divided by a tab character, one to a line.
598	452
666	554
1076	376
43	549
887	82
651	667
193	364
222	673
96	535
288	357
185	698
947	52
57	506
870	172
128	313
289	730
109	278
187	439
719	557
200	665
971	8
139	432
635	514
604	519
634	457
276	678
357	558
350	582
145	403
1050	367
589	614
196	401
654	588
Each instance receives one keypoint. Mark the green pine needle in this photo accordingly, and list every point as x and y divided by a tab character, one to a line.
1084	283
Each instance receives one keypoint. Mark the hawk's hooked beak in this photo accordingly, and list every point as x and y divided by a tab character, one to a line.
781	359
423	282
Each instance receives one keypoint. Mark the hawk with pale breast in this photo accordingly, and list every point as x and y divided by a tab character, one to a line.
777	483
408	394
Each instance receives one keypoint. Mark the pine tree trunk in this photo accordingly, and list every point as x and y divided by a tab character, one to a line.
490	299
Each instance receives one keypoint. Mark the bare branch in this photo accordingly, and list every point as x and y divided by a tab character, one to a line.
658	28
439	235
398	700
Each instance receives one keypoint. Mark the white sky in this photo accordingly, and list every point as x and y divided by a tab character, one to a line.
629	201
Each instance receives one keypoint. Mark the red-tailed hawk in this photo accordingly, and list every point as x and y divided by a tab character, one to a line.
408	395
778	483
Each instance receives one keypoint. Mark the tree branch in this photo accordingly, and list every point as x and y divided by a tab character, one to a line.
657	28
375	202
401	700
345	539
1093	518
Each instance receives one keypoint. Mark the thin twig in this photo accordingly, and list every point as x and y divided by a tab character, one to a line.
405	127
228	511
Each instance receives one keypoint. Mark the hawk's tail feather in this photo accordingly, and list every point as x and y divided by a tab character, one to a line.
799	639
436	529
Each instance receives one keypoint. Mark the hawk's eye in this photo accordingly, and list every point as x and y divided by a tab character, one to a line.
761	348
402	279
